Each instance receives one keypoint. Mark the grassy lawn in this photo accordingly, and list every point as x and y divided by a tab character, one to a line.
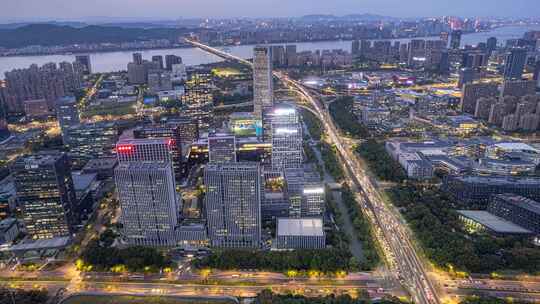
121	299
122	109
226	72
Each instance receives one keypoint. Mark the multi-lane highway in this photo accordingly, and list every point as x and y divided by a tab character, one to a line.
171	289
391	231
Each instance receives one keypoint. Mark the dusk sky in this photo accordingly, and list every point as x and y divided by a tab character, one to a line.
12	10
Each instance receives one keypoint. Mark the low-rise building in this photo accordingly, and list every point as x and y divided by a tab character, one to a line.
479	189
517	209
483	221
416	165
300	233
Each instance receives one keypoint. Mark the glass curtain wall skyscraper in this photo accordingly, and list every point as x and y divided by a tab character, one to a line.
233	204
287	149
263	91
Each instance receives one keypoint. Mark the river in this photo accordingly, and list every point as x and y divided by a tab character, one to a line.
116	61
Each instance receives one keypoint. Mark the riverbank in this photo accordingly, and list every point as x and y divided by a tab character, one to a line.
105	62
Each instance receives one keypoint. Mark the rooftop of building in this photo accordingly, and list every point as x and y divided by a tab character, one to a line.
101	163
493	222
516	146
82	181
300	227
498	180
521	202
7	223
41	244
66	100
141	141
40	159
143	165
509	162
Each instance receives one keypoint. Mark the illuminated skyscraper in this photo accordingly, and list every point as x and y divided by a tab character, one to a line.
67	114
287	139
263	91
233	204
90	140
45	194
160	150
198	98
148	202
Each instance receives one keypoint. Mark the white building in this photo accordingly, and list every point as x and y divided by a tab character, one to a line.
516	149
287	149
302	233
148	203
416	165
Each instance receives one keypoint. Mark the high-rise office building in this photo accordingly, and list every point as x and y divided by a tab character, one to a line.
466	75
444	65
455	39
278	55
67	113
198	99
4	128
84	61
233	204
491	45
444	36
156	150
171	130
471	92
148	202
171	60
294	186
158	59
536	75
221	148
45	194
355	48
90	140
263	86
287	151
290	55
137	58
515	63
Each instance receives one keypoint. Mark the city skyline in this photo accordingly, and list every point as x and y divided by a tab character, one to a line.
131	10
312	159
